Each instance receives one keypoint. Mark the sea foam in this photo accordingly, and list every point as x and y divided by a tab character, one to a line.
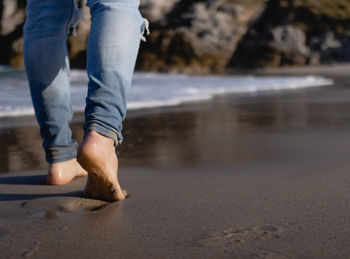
152	89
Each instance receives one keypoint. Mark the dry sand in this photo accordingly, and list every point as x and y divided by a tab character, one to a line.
255	176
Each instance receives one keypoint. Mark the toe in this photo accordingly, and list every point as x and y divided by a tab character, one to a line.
125	193
121	195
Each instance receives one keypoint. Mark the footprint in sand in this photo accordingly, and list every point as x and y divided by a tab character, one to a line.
53	207
239	241
30	252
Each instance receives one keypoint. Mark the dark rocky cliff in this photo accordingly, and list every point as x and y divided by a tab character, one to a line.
198	36
12	15
307	32
213	35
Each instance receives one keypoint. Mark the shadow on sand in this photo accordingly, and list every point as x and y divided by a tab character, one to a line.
24	180
38	179
19	196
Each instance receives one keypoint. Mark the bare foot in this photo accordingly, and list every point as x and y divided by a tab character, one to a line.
97	156
64	172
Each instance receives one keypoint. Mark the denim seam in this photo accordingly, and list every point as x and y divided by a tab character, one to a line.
66	156
62	159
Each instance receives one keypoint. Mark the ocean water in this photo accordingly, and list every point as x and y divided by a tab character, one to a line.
152	89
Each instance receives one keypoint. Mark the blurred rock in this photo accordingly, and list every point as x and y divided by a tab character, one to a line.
290	39
155	10
294	32
332	47
202	36
12	15
195	36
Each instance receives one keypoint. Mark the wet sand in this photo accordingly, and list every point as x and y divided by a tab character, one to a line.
248	176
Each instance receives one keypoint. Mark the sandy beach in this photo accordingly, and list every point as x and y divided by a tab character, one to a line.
240	176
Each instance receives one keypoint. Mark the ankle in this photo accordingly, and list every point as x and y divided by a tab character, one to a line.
94	144
95	137
64	172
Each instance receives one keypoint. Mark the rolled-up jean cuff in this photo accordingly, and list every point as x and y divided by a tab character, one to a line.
115	135
60	154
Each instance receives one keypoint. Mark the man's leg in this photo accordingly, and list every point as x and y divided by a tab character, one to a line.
112	50
47	66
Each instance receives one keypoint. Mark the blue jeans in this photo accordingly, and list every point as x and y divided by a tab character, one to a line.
116	29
